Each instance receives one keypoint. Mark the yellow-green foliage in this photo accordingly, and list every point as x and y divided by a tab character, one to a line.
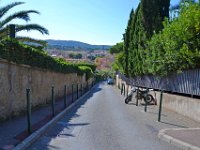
87	70
176	48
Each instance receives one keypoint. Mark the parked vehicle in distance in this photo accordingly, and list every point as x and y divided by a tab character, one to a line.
110	81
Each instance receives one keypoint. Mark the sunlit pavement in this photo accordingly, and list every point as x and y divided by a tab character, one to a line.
102	121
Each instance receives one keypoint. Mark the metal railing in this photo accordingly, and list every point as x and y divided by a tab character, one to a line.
187	82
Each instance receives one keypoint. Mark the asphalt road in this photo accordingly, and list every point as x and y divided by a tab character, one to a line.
102	121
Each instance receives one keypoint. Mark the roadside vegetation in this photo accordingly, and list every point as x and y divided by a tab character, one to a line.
13	50
155	43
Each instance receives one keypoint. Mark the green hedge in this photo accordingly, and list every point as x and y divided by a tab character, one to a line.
92	66
19	53
87	70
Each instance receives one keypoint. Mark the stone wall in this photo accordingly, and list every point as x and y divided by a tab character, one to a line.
15	79
186	106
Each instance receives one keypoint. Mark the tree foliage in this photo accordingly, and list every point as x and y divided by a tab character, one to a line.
119	62
160	52
127	38
153	13
155	45
137	44
5	21
116	48
75	55
176	48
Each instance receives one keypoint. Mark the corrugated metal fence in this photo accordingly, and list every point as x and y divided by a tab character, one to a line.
187	82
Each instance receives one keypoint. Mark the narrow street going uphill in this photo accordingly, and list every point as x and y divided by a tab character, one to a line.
101	121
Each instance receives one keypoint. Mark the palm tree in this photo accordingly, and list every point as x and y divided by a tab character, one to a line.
5	21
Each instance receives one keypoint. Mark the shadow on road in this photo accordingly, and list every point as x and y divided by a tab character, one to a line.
63	128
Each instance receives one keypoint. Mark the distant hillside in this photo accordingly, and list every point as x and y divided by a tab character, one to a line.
73	45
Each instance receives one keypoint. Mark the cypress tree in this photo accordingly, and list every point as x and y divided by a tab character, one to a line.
138	39
153	13
147	18
164	9
127	41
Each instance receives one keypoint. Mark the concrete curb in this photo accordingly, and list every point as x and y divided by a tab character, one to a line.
183	145
35	135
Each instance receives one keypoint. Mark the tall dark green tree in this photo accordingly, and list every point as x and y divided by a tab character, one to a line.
164	9
147	19
127	39
153	13
137	44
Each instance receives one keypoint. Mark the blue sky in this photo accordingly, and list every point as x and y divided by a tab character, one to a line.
90	21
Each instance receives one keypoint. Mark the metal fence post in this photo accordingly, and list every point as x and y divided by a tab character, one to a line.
124	89
81	89
160	106
72	93
77	90
52	101
145	99
28	110
65	96
137	96
145	105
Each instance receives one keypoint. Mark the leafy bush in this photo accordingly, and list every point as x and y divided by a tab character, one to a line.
92	66
104	74
87	70
176	48
116	48
119	61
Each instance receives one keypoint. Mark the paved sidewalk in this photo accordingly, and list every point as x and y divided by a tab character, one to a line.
188	138
14	131
183	132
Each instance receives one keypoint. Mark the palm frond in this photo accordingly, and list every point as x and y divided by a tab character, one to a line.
5	9
24	15
32	41
30	27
